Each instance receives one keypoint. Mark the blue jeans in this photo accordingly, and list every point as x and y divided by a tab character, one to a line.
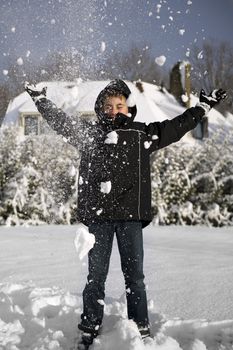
130	245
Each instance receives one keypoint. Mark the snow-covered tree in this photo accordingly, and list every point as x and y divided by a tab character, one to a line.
38	179
194	185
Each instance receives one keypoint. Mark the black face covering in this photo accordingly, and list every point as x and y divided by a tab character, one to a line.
119	121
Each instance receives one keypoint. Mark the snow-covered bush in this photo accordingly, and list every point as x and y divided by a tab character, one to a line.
39	174
38	179
170	184
194	185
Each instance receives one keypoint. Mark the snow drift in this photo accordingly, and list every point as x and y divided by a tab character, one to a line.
188	272
46	318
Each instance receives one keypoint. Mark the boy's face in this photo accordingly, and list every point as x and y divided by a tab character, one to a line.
114	105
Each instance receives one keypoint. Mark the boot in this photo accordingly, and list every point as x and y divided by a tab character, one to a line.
86	341
144	331
87	336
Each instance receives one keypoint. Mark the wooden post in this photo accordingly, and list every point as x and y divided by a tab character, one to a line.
188	83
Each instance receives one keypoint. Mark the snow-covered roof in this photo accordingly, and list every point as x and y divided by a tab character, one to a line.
73	97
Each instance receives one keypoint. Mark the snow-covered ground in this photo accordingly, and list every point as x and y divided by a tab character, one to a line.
188	272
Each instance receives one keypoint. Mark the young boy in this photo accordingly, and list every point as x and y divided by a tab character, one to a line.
114	193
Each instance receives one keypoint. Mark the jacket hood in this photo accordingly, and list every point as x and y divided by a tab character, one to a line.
120	120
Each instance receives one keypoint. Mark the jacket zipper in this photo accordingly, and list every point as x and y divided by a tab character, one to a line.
139	175
88	189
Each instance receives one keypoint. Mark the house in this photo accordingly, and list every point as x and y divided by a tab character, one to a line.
78	99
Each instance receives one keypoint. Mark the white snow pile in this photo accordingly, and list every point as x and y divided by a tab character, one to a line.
46	318
42	281
84	241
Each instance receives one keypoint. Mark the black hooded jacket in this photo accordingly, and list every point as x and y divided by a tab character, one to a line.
114	173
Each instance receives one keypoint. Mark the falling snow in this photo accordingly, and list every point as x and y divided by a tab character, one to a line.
187	54
105	187
160	60
184	98
112	138
103	46
200	55
147	144
90	27
80	181
158	6
20	61
181	31
84	241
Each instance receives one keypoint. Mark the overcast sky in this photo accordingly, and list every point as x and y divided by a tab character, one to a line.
29	29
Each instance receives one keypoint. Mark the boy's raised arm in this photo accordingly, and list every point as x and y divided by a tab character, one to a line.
57	119
169	131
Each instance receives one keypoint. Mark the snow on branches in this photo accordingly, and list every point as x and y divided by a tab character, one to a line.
39	180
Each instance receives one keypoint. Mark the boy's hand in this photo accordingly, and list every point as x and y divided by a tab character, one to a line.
213	98
34	92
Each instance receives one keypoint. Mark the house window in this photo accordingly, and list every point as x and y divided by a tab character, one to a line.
31	125
90	116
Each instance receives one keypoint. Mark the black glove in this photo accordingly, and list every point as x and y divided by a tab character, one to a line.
213	98
34	92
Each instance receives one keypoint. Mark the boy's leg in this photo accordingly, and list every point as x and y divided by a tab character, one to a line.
98	265
130	243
